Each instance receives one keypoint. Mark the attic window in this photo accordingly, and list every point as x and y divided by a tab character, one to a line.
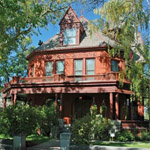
69	36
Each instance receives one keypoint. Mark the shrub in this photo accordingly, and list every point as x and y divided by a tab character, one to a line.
90	127
19	119
48	119
101	128
23	119
80	130
145	136
124	136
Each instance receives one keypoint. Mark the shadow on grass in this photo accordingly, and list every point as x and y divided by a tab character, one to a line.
34	139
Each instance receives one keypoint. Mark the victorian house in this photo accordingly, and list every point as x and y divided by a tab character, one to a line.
74	70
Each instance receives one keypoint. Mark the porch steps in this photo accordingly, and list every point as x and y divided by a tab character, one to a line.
134	124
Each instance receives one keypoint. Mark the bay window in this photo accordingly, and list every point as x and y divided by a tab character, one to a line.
78	65
60	67
49	68
90	66
114	66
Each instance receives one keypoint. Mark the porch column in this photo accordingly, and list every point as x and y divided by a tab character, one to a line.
111	105
116	106
60	108
14	98
129	106
56	99
4	103
143	108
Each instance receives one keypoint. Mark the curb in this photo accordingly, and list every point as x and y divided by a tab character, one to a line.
97	147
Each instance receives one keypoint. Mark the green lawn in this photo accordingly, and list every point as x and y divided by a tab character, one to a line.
37	138
2	136
125	144
33	139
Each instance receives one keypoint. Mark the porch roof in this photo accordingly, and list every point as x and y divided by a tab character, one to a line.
65	87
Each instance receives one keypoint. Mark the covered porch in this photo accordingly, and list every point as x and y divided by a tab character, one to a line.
74	99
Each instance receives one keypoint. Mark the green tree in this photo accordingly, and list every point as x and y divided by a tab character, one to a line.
122	21
19	20
15	63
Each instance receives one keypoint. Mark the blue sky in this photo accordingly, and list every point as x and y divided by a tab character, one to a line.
53	29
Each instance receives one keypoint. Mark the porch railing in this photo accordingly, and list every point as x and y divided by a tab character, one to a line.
64	78
76	78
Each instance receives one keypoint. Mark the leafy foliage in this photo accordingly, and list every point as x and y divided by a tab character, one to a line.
124	136
145	136
15	64
90	127
48	119
122	21
81	130
19	119
19	20
23	119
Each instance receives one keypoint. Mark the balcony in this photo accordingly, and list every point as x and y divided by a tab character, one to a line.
73	78
63	78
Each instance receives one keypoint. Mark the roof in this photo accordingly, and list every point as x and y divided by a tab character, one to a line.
95	40
69	17
88	40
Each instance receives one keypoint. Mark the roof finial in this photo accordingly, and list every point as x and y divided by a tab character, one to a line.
40	42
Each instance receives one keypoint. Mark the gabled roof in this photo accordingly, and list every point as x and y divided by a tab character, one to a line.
70	16
95	40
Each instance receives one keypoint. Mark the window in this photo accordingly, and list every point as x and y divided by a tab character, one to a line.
49	68
78	64
60	67
32	70
69	36
90	66
114	66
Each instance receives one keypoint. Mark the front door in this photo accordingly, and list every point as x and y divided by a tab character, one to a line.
82	106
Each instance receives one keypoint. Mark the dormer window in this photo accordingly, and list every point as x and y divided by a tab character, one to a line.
71	29
69	36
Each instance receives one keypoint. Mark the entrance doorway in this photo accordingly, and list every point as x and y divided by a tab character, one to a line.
82	106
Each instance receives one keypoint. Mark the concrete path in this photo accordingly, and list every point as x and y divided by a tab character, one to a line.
50	145
55	145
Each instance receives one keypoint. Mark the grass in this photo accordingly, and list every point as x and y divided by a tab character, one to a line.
37	138
3	136
125	144
33	139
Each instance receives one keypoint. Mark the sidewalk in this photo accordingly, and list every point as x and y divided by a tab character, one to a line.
55	145
50	145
